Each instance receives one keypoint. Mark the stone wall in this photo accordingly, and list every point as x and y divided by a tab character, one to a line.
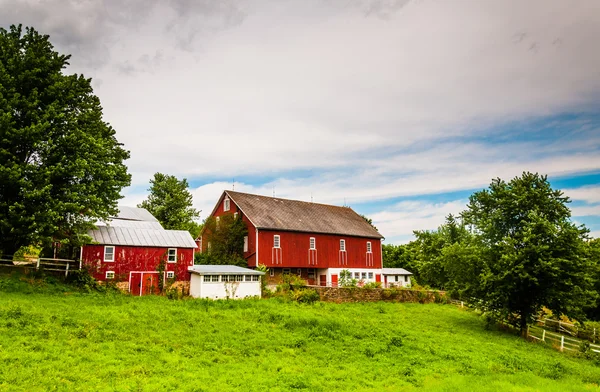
357	294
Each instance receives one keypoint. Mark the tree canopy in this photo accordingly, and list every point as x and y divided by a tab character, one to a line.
61	166
170	201
226	239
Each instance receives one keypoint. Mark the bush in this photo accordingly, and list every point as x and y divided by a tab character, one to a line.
372	285
305	295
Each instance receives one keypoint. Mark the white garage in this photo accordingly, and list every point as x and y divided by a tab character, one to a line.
224	282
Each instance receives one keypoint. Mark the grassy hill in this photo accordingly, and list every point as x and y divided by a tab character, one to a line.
55	338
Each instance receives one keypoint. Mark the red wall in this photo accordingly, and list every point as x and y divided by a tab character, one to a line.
295	250
132	258
250	256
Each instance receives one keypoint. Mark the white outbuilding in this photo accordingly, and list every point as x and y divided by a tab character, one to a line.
224	282
396	277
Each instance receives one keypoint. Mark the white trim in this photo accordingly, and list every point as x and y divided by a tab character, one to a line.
245	244
235	215
312	243
256	244
80	256
369	247
276	241
172	273
111	273
113	254
271	272
342	245
169	255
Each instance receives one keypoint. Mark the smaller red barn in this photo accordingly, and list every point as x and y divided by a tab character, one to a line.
134	249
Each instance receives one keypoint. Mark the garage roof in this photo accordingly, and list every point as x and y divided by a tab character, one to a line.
222	270
395	271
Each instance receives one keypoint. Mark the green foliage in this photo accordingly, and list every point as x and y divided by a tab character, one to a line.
346	280
119	342
372	285
532	255
369	221
226	240
61	167
305	295
263	279
25	252
170	201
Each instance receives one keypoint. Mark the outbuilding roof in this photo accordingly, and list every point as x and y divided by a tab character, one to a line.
127	236
275	213
134	214
395	271
205	269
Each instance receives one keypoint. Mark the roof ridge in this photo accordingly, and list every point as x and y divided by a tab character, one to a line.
295	200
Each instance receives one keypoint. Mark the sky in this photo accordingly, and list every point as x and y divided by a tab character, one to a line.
399	109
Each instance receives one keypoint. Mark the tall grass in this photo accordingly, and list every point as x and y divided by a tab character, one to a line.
53	337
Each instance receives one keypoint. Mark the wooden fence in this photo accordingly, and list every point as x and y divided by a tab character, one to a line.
45	264
560	341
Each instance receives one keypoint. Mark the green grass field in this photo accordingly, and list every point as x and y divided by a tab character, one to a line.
55	338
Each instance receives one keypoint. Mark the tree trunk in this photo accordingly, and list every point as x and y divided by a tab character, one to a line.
523	325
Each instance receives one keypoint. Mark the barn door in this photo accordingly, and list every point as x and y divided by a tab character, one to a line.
323	280
377	278
135	285
334	280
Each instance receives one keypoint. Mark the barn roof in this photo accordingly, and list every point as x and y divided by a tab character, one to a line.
222	270
395	271
138	227
275	213
128	236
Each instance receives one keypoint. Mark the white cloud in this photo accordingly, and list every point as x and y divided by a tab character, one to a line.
588	194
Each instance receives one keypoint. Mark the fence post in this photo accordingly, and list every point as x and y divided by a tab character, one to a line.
559	325
67	270
562	342
37	266
594	335
543	335
462	304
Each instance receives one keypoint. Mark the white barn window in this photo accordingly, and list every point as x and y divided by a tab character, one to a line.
369	249
170	274
343	245
245	243
276	241
226	204
172	256
109	254
313	243
110	274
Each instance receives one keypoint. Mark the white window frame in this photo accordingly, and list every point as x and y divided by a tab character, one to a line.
112	260
235	215
312	243
245	243
277	241
218	220
271	272
342	245
287	271
370	275
214	278
109	275
226	204
171	274
169	255
369	247
255	278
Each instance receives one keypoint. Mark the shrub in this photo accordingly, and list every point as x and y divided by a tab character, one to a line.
372	285
305	295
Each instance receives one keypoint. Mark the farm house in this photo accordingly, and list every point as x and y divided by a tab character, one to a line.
315	241
134	249
224	282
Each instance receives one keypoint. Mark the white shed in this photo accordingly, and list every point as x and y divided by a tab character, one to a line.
224	281
396	277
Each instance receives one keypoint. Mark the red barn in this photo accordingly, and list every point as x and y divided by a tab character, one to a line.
131	247
314	241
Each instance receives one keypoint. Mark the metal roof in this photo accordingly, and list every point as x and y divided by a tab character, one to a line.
395	271
222	270
133	224
128	236
275	213
135	214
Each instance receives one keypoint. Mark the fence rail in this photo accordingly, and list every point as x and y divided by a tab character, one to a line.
46	264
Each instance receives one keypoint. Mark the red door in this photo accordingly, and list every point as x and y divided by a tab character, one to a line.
323	280
377	278
334	280
150	283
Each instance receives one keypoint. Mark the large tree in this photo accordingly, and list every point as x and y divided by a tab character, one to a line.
226	239
61	167
532	254
170	201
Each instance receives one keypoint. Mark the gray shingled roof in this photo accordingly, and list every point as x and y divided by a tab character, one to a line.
293	215
395	271
222	270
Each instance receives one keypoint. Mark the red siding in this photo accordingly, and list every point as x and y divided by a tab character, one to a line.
295	251
132	258
250	256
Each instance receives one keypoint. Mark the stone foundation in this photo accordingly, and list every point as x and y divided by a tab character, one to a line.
355	294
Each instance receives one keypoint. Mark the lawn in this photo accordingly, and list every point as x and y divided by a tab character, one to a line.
53	337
